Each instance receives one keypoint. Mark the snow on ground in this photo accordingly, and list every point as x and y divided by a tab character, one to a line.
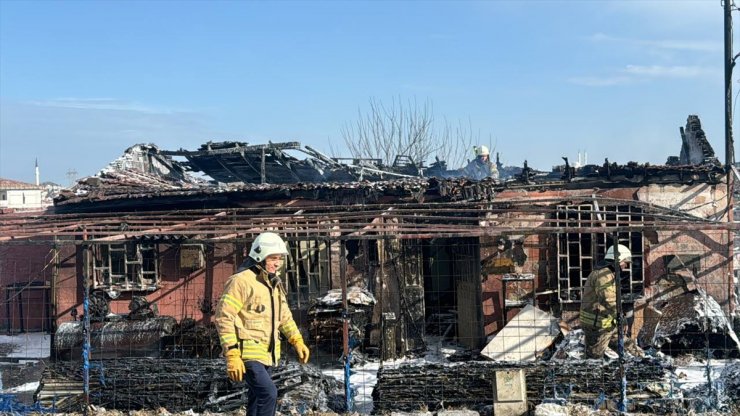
694	373
32	386
362	379
28	345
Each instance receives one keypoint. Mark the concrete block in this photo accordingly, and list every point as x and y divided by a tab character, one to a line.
510	386
510	409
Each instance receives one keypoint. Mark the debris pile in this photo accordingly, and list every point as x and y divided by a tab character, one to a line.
325	317
695	323
468	385
179	385
191	339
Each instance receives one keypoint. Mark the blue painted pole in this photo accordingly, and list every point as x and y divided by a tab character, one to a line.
86	328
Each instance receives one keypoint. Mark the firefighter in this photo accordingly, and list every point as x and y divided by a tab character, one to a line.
599	306
481	167
250	316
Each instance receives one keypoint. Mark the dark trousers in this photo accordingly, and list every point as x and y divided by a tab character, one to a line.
262	395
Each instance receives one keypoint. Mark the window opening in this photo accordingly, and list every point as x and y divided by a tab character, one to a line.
126	267
579	253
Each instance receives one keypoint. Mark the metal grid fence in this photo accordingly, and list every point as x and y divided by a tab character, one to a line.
402	310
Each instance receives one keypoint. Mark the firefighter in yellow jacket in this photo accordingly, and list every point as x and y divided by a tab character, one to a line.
599	305
250	316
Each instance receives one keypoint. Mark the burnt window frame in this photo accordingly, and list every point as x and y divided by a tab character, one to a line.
126	267
575	259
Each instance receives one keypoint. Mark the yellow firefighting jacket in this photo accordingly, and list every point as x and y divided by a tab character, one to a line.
599	301
251	313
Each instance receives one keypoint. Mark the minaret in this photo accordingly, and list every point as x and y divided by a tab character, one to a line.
37	172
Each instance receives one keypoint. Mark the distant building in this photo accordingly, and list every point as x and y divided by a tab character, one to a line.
20	195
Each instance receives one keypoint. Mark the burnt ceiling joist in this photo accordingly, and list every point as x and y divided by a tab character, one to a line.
421	221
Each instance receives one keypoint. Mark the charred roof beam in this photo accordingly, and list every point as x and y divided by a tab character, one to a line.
238	148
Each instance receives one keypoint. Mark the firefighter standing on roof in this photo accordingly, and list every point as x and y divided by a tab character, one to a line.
599	305
250	316
481	167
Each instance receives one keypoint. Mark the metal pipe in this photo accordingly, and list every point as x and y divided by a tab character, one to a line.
86	256
345	328
729	64
620	325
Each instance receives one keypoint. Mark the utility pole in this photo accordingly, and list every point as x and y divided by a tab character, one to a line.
729	64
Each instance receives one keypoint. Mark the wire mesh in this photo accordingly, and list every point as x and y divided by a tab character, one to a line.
444	320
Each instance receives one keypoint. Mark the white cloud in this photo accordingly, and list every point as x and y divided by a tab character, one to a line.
666	44
671	71
678	15
633	74
98	104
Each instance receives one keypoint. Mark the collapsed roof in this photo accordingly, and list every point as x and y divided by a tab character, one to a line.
267	171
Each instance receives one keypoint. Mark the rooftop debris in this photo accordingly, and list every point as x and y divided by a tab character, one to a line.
141	168
145	171
695	323
180	385
695	148
234	162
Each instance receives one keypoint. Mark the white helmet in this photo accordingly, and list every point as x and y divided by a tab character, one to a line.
267	244
624	253
482	151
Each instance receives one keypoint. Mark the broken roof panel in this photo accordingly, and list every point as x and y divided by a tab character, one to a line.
230	162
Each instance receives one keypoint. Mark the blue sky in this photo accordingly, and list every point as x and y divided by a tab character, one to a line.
82	81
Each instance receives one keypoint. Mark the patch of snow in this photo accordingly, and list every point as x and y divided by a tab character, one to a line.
694	374
28	345
363	380
23	387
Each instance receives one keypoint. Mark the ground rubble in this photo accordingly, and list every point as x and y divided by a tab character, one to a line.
198	385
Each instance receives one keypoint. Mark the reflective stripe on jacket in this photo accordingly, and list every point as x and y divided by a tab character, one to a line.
252	313
599	301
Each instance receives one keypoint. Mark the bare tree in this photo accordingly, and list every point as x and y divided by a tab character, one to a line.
387	131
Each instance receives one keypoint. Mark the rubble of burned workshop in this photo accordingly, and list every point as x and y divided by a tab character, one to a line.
412	292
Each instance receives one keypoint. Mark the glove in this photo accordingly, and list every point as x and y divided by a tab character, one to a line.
302	351
234	364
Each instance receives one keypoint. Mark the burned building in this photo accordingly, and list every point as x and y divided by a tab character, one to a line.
449	259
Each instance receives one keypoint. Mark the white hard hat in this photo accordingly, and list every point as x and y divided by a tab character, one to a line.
267	244
482	151
624	253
